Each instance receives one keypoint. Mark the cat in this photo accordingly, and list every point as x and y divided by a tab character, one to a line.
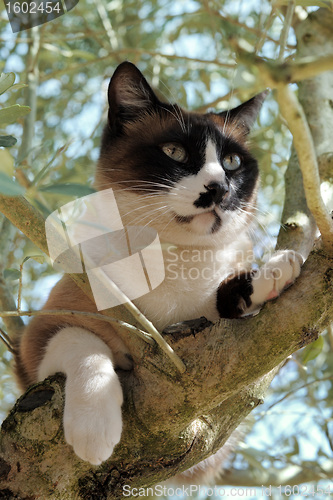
192	178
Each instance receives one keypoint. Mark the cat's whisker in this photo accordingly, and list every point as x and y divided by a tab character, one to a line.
254	232
152	220
175	115
158	216
156	184
180	117
141	208
170	221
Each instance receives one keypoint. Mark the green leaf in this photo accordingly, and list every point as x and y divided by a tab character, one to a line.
253	457
46	168
18	86
84	54
7	141
6	81
313	350
38	258
68	188
10	187
67	52
12	113
6	162
11	274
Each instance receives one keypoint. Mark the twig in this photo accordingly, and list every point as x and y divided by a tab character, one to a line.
6	340
107	25
274	73
137	314
293	113
277	477
292	393
234	21
286	28
330	335
139	52
308	67
64	312
19	293
214	104
121	24
263	35
31	95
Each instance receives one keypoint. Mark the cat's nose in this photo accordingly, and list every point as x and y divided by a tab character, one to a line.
217	191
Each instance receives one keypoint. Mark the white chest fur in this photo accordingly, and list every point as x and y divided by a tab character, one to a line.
192	276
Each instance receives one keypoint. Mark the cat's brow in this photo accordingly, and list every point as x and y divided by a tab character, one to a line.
178	116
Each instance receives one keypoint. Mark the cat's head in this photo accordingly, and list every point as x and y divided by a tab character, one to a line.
188	175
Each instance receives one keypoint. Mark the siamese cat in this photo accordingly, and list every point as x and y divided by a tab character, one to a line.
192	178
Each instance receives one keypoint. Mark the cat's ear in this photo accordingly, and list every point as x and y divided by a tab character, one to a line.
129	94
245	114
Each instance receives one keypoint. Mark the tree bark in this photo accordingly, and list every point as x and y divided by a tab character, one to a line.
171	420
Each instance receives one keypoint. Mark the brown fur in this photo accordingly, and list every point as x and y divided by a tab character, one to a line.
65	295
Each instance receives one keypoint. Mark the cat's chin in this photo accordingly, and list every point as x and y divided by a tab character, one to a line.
206	223
204	229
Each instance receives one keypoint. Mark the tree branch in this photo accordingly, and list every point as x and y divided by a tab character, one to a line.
298	229
273	73
297	123
62	312
286	28
291	475
13	324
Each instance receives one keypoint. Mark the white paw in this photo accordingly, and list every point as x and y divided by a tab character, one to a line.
279	272
92	418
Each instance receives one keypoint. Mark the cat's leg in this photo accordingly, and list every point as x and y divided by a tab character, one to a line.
245	292
93	394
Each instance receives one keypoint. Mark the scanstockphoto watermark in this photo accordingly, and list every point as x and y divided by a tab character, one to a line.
195	264
26	14
197	491
122	262
189	491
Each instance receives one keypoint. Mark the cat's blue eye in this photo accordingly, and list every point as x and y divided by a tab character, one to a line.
175	151
231	162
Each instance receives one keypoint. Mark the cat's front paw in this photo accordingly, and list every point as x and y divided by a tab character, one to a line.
273	277
245	292
233	295
93	423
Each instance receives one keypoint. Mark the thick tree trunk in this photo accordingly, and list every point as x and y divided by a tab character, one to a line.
171	420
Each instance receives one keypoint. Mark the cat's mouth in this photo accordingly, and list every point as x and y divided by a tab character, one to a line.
203	223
